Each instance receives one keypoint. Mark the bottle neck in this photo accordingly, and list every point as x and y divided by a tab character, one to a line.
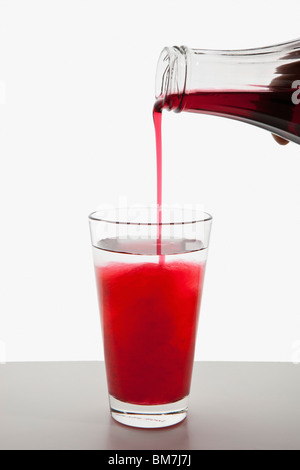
171	77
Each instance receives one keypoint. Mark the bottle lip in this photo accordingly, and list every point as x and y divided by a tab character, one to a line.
171	74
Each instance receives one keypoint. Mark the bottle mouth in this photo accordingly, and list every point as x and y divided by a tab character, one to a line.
171	75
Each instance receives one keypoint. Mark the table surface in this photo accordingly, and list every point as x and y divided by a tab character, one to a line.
233	405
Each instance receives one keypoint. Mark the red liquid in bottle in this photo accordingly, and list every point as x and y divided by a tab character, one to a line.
276	111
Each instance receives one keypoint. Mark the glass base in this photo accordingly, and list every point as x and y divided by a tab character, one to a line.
152	416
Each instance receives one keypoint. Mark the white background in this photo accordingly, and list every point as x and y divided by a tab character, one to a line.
77	81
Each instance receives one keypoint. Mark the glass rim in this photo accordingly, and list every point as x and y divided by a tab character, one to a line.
99	216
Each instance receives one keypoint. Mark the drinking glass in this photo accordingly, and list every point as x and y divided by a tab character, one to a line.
149	278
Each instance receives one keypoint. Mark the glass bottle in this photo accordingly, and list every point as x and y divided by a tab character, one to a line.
257	86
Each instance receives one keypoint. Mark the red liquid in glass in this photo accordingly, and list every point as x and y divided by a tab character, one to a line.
149	321
270	109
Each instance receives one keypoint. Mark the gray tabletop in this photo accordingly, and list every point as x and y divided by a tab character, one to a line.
232	406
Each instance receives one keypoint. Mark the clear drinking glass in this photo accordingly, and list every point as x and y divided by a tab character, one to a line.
149	277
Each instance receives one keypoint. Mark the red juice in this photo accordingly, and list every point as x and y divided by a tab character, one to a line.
149	321
157	119
271	109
